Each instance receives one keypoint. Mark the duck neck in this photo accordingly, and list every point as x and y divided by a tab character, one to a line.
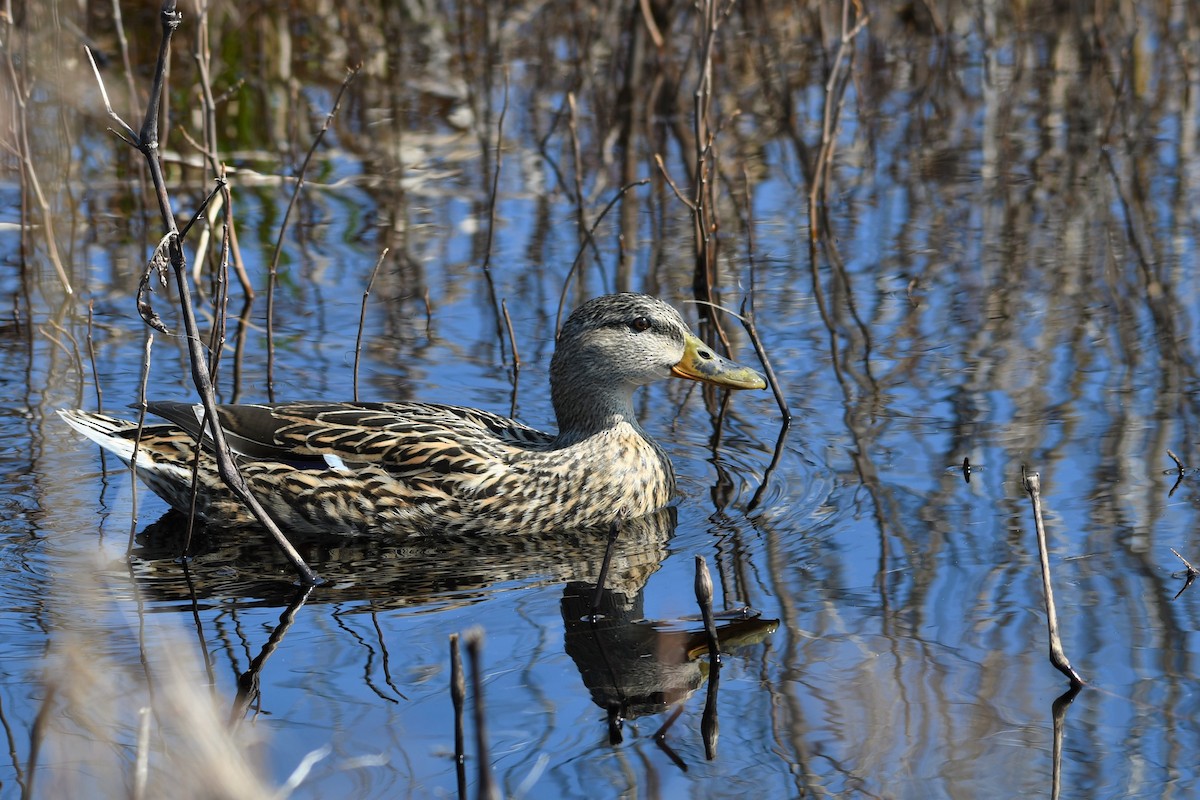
582	413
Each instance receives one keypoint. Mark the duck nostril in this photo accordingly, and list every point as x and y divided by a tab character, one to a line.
706	355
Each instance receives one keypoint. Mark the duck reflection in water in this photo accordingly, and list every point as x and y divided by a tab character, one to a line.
632	667
635	667
446	569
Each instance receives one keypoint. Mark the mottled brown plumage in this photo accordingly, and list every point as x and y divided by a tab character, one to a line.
418	467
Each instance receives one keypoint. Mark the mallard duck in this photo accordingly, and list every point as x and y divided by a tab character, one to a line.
418	467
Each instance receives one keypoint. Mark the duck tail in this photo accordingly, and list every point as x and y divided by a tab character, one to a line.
115	435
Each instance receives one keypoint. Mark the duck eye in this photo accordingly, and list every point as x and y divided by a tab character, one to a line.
640	324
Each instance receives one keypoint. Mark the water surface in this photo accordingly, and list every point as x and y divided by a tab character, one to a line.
1003	276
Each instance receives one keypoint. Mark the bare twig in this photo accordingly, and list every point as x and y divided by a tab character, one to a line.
614	532
126	133
273	270
835	90
512	341
704	212
362	317
660	738
577	162
220	184
591	235
458	693
1058	658
141	772
1178	475
487	786
147	143
216	338
748	311
491	227
123	44
91	346
193	497
776	458
137	441
203	58
248	682
662	168
20	94
1190	569
1190	575
747	318
709	724
704	597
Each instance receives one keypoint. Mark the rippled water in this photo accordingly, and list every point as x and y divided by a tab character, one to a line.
1006	278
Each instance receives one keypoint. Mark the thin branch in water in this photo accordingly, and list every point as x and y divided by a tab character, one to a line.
216	339
660	738
147	143
29	175
1033	485
512	341
705	222
704	597
272	271
141	771
487	786
193	495
709	724
591	235
126	133
1190	574
458	693
491	227
1192	571
91	346
249	682
835	90
747	318
577	163
72	351
137	441
614	532
362	317
220	184
1058	712
428	312
1178	475
776	458
747	315
662	168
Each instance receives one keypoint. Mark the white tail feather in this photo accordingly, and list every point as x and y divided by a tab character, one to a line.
104	430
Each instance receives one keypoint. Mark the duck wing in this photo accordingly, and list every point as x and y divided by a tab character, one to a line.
407	439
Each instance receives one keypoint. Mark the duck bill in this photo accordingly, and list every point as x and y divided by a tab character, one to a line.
700	363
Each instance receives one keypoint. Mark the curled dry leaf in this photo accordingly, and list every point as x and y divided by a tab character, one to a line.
157	265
